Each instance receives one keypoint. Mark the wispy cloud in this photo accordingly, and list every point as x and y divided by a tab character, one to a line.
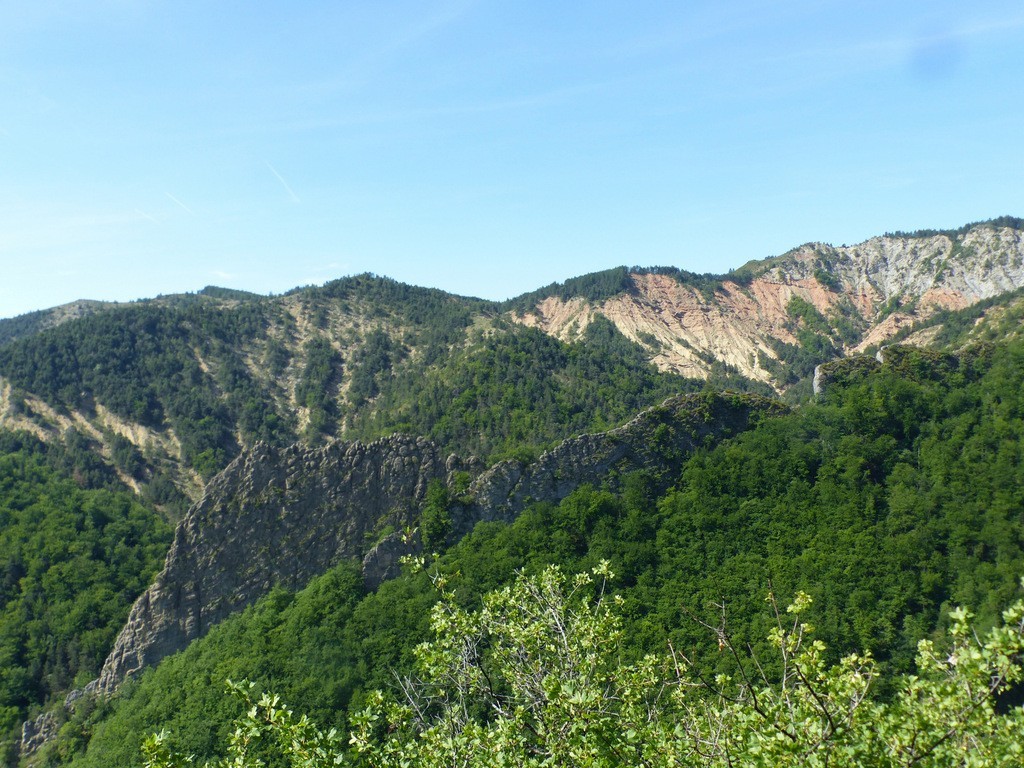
287	187
539	99
181	204
988	26
145	215
445	15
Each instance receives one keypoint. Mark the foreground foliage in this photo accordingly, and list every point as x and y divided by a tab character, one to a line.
534	677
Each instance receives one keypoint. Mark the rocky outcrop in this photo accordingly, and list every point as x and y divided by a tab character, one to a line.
843	372
35	733
909	362
874	288
273	517
282	516
658	440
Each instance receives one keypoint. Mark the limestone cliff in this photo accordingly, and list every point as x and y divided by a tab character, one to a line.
274	516
282	516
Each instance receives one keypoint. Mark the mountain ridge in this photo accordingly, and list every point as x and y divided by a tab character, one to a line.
171	396
243	537
750	320
168	391
40	319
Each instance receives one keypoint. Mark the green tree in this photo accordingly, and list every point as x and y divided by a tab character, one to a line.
435	519
534	678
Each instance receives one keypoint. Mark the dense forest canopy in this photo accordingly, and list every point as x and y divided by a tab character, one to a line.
894	498
72	561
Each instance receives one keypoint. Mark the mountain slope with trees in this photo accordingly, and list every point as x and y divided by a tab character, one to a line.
168	391
73	561
534	678
894	498
139	407
168	395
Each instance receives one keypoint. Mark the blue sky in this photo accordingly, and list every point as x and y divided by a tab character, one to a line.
485	148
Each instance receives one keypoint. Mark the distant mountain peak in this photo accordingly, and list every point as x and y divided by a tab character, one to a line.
769	319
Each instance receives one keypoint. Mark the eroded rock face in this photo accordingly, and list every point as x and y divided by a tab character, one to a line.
35	733
283	516
883	284
273	517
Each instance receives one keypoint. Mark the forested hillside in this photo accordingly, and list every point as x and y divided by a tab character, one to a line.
169	394
169	390
895	497
889	497
73	561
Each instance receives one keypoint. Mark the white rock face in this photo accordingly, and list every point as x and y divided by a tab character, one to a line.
883	284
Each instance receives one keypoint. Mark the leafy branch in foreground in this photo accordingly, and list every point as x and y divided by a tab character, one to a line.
534	678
